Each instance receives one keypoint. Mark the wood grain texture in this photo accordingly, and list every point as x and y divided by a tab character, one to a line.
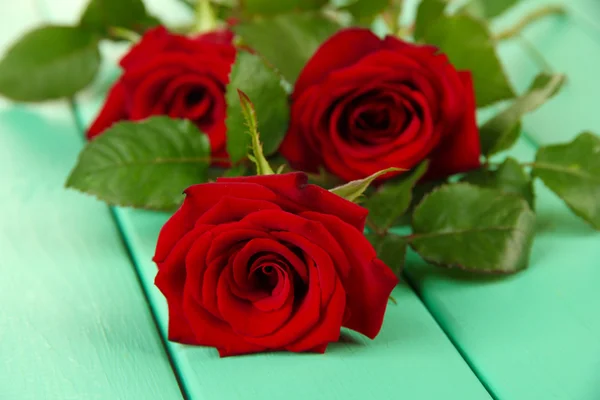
74	323
535	335
530	336
571	47
411	357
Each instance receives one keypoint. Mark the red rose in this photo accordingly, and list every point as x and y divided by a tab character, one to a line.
363	104
174	75
261	263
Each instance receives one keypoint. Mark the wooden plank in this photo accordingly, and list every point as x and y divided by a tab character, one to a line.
528	336
569	48
74	323
412	357
535	335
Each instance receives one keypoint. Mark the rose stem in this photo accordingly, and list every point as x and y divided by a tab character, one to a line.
528	19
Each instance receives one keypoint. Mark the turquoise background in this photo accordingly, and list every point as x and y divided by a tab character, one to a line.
81	319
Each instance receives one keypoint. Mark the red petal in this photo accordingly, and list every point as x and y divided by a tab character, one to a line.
114	110
243	317
309	197
319	349
209	331
231	209
341	50
296	150
170	280
370	281
308	231
200	198
222	36
152	43
460	151
328	328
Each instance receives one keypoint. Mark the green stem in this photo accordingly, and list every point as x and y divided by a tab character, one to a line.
490	164
374	228
123	33
205	17
528	19
536	55
405	31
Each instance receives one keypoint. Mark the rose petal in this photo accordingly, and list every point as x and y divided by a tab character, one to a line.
223	246
315	257
151	44
177	62
114	110
309	232
295	147
459	151
329	326
222	36
335	54
245	319
305	316
230	209
196	264
199	198
280	294
370	281
269	246
294	187
170	280
210	331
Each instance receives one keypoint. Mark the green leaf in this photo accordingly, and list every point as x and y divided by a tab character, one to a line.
391	249
498	134
572	171
509	177
287	41
351	191
475	229
502	131
101	15
144	164
393	199
469	45
259	82
366	9
257	156
49	63
270	7
487	9
427	13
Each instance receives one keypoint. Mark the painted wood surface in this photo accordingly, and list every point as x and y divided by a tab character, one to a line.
570	46
74	323
412	356
536	335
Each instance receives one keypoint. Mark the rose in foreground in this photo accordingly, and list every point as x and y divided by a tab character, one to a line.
174	75
268	263
363	104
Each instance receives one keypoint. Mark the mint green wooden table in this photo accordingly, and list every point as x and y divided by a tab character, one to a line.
78	307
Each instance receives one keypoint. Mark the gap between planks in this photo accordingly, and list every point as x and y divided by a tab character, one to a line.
176	371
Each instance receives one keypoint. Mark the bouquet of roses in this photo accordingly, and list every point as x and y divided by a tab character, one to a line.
353	107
